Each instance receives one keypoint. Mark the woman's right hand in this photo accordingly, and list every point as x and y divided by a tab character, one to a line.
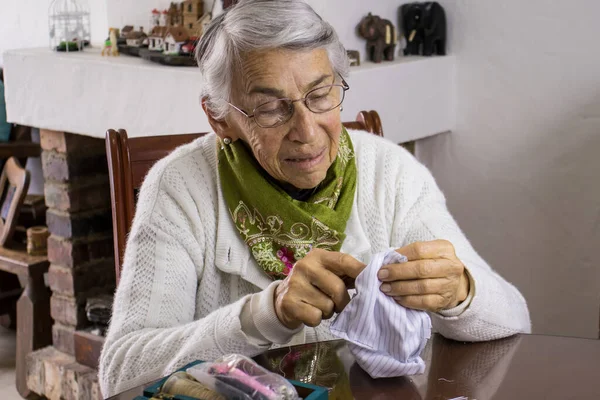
315	289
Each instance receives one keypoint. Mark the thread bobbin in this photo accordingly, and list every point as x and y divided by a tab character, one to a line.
37	240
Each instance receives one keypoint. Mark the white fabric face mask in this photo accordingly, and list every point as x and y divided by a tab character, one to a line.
385	338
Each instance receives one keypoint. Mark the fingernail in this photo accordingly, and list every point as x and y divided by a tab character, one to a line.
386	287
383	273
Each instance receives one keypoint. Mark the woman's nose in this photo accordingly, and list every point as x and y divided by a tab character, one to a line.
303	125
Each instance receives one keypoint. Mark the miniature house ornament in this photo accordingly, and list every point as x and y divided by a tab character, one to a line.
163	18
69	25
155	18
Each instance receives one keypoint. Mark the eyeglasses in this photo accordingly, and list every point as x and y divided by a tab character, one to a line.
277	112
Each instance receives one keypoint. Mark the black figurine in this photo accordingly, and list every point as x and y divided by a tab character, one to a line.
381	37
424	27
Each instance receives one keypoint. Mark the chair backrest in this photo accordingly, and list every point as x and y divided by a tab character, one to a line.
129	160
14	183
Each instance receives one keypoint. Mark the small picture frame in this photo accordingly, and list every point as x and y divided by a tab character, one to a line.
7	198
14	183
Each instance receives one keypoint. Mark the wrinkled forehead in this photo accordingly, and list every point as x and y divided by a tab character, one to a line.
280	72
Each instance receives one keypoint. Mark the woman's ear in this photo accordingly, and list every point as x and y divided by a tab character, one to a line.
220	126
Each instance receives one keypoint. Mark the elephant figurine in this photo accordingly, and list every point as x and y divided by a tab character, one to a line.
424	27
381	37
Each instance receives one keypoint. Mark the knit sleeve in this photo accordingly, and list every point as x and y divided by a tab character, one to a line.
154	330
497	308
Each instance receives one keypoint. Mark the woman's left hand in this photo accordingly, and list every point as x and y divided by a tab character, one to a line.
433	279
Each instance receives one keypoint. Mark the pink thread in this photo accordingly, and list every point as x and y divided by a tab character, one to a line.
286	256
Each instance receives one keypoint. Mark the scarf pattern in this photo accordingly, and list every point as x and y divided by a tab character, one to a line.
278	229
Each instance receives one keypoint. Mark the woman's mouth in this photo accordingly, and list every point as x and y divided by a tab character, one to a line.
306	162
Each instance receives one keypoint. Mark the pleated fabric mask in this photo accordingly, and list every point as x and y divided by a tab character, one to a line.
385	338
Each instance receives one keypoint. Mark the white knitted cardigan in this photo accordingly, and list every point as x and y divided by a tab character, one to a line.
187	275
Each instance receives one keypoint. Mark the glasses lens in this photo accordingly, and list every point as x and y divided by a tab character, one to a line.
319	100
325	98
273	113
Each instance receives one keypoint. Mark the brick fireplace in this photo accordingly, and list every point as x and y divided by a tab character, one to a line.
80	252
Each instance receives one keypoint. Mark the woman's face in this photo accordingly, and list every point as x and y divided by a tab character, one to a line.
300	151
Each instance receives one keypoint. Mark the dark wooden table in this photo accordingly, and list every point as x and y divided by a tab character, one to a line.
34	324
520	367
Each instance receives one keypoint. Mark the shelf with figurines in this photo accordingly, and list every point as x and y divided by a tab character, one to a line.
173	35
175	32
423	33
174	46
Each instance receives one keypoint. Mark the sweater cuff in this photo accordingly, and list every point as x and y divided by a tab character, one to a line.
459	309
259	320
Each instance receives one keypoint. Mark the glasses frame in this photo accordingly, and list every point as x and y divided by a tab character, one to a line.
345	87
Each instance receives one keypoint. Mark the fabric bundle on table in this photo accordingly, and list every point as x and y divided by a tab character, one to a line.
385	338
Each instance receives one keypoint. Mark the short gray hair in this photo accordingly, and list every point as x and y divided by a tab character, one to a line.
260	25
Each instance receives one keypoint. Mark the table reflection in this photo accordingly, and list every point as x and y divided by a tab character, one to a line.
473	370
319	364
454	369
520	367
365	387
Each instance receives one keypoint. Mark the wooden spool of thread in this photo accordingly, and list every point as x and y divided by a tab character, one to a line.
183	384
37	241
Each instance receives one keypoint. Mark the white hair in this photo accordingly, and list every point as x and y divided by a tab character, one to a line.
260	25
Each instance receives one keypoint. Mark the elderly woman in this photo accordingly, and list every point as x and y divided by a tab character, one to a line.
247	237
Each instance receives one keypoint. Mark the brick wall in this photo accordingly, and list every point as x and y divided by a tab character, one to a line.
56	375
80	251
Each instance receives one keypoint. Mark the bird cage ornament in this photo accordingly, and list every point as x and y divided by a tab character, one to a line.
69	25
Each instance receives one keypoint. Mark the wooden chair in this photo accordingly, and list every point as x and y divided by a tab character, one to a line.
14	182
130	159
33	321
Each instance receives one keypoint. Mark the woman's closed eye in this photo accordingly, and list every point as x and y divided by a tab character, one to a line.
273	107
321	99
270	109
320	92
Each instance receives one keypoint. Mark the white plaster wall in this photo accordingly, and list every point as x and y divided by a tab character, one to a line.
99	21
24	23
132	12
522	170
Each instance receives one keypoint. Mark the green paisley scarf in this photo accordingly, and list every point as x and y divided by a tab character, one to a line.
278	229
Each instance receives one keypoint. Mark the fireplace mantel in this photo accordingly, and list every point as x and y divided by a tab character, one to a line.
86	93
